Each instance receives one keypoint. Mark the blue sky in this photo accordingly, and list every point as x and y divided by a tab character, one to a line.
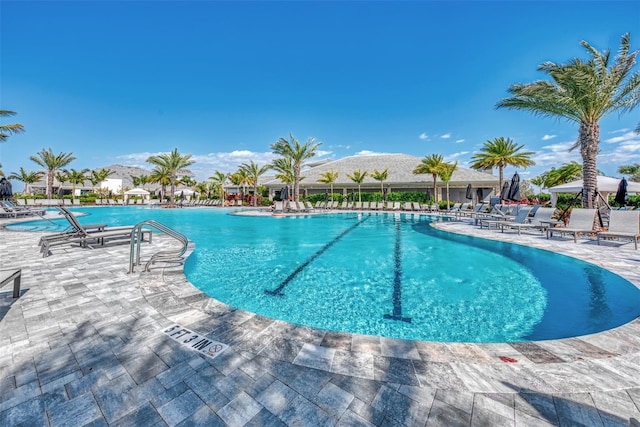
115	82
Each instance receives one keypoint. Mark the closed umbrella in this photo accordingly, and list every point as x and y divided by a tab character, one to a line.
514	188
469	192
384	195
621	194
504	193
480	194
5	188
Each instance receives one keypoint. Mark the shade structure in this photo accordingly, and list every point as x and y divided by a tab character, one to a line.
504	193
469	194
606	186
6	190
514	188
621	194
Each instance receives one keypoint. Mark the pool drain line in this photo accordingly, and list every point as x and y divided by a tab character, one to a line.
278	291
397	280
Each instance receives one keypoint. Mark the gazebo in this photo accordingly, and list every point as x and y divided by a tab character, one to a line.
606	186
136	192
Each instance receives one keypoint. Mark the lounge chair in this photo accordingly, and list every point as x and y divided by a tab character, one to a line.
7	212
84	235
580	222
622	224
22	210
521	218
406	206
11	275
477	209
540	221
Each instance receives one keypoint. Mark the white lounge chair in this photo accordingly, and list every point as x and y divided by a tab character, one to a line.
580	222
622	224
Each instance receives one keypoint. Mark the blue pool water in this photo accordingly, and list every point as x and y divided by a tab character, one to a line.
388	275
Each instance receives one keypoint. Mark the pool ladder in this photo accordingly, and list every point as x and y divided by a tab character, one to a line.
168	256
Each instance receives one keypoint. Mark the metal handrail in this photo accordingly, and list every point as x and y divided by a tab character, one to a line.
134	255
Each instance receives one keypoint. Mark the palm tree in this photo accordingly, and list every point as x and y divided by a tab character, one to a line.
445	174
298	153
163	177
201	188
382	177
632	170
76	177
499	153
253	172
358	177
140	181
284	170
566	173
329	177
236	179
51	162
97	176
583	92
6	130
61	177
172	162
539	182
30	177
433	164
219	178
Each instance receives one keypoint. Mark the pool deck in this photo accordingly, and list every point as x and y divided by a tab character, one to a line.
84	345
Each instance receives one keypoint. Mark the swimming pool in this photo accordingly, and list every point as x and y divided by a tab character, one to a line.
390	275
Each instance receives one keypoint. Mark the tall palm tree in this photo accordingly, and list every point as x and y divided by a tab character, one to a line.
76	177
253	172
298	153
583	92
431	164
329	177
163	177
172	162
538	181
632	170
501	152
140	181
381	176
30	177
445	174
358	177
219	178
51	162
97	176
6	130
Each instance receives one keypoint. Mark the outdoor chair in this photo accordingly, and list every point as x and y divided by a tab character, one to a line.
11	275
521	218
622	224
84	235
540	221
580	222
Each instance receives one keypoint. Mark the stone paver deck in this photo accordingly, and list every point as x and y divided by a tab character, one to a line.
83	345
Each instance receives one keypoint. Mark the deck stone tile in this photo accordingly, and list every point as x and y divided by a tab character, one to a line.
315	356
353	364
240	410
333	399
389	369
277	397
75	412
301	412
180	408
577	409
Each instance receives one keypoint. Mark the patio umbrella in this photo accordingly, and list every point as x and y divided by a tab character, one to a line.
480	194
514	188
469	192
5	188
504	193
284	193
621	194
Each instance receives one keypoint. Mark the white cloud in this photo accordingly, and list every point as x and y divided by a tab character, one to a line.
454	156
548	137
556	155
624	138
423	136
322	153
458	141
446	136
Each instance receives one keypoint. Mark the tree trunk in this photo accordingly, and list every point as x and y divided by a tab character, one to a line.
50	184
296	183
435	194
589	138
501	178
